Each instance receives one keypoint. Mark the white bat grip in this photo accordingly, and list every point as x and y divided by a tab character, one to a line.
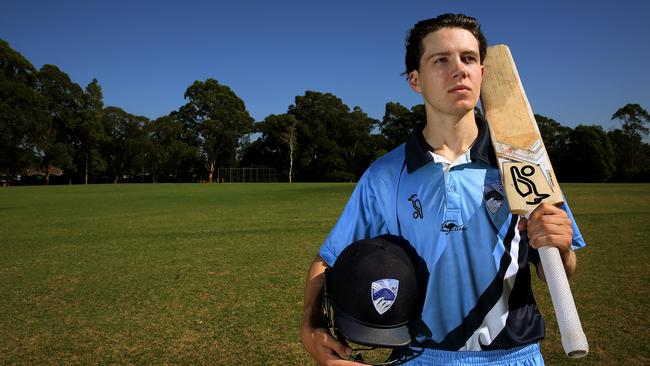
574	340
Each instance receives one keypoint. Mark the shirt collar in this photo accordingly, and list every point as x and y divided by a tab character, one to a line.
417	148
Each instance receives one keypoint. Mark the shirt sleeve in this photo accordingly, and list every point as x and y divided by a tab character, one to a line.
361	219
578	242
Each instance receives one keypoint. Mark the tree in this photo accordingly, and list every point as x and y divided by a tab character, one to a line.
592	157
631	153
171	156
398	122
220	120
556	140
633	119
277	144
360	147
125	143
329	138
90	131
62	104
19	107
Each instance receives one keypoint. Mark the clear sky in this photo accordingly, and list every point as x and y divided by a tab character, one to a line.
579	60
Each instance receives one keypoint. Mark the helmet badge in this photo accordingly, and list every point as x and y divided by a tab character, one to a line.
384	294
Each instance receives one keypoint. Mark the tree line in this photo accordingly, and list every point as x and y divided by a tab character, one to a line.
53	129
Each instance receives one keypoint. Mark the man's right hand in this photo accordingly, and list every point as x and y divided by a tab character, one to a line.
320	344
324	348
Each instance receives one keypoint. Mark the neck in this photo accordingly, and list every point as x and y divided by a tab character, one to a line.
450	136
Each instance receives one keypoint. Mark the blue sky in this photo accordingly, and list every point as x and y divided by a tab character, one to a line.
579	61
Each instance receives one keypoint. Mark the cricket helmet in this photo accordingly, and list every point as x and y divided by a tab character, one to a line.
375	291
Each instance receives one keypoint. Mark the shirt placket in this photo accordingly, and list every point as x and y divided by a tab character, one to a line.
452	191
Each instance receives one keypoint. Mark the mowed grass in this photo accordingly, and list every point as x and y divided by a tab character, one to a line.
611	286
214	274
158	274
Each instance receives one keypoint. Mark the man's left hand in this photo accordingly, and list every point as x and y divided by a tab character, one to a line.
550	225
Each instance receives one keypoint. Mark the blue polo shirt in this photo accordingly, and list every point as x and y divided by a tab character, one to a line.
478	294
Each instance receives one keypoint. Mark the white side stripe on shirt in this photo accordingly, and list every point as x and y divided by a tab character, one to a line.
496	318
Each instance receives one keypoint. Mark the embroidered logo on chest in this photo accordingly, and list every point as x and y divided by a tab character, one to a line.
417	207
493	196
450	225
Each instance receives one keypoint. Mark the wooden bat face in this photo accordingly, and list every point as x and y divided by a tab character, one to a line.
526	170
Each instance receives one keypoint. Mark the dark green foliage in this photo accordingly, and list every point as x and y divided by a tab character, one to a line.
18	111
333	142
276	146
126	144
632	159
633	119
631	156
90	133
398	122
218	119
48	122
360	146
556	141
592	158
62	101
172	155
589	154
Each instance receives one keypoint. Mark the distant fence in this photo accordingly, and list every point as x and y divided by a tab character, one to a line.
247	175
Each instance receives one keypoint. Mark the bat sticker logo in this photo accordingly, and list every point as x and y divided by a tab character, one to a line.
525	186
417	207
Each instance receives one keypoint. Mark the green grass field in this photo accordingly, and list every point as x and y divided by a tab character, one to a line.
213	274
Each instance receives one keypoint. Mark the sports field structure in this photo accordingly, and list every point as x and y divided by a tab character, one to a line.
247	175
214	273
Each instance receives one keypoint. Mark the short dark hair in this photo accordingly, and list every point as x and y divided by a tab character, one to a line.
422	28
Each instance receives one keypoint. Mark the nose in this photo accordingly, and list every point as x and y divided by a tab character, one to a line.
459	68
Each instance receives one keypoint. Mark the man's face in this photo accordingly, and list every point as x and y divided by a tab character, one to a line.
450	72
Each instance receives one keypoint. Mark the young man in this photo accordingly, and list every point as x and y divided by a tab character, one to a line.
441	191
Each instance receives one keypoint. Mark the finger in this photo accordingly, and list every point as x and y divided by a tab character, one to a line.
342	363
323	347
550	224
332	345
562	242
548	214
339	348
545	209
522	225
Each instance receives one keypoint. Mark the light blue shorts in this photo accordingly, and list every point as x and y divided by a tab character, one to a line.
529	355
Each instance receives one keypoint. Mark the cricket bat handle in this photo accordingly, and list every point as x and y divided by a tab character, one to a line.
573	337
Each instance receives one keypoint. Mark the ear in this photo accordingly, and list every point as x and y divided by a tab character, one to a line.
414	81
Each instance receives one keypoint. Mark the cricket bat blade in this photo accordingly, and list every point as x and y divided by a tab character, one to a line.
528	178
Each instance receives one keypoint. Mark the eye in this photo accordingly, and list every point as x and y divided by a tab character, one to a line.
439	60
470	59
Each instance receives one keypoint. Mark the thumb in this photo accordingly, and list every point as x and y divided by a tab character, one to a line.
341	347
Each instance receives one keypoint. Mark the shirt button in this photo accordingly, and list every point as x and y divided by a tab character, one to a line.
452	189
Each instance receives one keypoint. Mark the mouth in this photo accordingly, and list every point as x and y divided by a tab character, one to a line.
460	89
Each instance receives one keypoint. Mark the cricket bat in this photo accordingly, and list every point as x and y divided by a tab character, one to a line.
528	177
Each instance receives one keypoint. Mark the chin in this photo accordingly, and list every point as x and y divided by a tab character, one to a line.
464	108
